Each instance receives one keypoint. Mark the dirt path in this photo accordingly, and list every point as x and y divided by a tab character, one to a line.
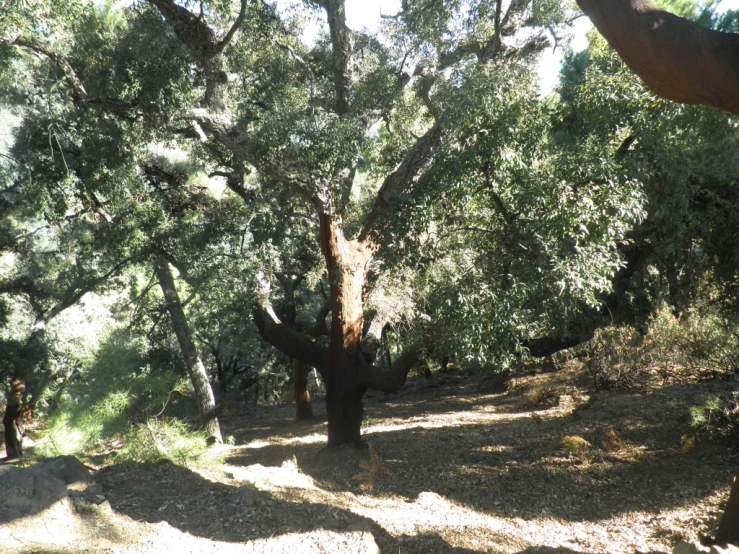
458	464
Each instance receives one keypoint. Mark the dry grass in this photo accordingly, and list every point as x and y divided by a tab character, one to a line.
372	470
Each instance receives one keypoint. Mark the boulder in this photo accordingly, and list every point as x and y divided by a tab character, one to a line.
68	469
28	491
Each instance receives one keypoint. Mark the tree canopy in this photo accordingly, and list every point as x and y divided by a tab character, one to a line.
326	193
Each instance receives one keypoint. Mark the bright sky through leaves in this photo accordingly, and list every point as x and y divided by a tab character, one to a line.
363	13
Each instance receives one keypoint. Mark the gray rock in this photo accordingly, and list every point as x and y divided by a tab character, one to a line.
68	469
26	492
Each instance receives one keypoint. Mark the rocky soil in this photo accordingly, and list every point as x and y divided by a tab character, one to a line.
463	462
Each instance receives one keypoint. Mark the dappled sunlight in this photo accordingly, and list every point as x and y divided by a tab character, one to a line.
546	463
316	438
494	448
287	476
432	513
448	419
256	444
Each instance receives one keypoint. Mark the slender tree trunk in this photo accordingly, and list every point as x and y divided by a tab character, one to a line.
347	263
195	367
303	407
13	447
219	370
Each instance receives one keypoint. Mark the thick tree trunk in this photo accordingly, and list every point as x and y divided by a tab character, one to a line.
728	529
676	58
303	407
195	367
347	264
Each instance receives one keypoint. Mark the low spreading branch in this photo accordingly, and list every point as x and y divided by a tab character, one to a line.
289	341
393	379
676	58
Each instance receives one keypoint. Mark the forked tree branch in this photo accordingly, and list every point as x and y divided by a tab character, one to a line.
394	378
289	341
232	31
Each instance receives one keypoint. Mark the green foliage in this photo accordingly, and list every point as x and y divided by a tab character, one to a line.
703	12
718	419
115	390
172	440
683	253
513	230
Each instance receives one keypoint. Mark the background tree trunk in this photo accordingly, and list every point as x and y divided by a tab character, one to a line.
13	446
303	407
195	367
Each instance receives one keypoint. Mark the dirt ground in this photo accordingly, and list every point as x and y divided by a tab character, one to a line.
463	462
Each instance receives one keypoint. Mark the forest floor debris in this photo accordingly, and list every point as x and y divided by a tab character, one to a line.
459	463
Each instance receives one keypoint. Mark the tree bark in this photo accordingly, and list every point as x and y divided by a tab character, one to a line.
303	407
342	50
347	264
728	529
195	368
287	340
676	58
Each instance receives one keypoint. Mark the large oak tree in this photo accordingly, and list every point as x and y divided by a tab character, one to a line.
424	147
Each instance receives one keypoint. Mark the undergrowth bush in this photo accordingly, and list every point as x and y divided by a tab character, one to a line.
696	345
718	418
614	358
115	392
168	439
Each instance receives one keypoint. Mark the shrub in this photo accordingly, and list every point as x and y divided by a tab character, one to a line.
718	418
171	440
614	359
686	346
114	392
700	341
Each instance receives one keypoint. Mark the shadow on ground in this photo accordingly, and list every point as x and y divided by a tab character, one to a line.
513	464
185	500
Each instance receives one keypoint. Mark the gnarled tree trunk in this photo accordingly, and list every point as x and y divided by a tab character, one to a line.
195	368
347	264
